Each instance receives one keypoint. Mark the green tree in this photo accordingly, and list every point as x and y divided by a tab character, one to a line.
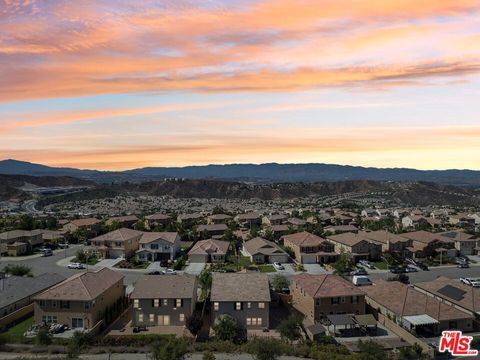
18	270
344	263
370	350
26	222
77	344
264	349
411	352
290	328
140	225
208	355
226	328
81	256
280	282
43	337
173	349
205	282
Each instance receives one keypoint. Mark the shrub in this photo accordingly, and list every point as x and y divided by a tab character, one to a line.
17	270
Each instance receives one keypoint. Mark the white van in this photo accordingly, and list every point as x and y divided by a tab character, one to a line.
361	280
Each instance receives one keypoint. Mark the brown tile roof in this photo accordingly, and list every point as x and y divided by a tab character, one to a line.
212	227
157	217
248	216
404	300
209	246
259	245
219	217
318	286
458	235
165	287
348	238
240	287
121	219
383	236
304	238
85	222
148	237
85	286
122	234
470	300
426	237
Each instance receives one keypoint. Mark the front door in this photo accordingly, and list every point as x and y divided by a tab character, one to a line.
164	320
77	323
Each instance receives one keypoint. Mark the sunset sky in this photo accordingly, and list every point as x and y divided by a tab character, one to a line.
117	84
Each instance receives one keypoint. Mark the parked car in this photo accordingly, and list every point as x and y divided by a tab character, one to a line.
76	266
169	272
163	263
65	245
367	264
470	281
46	252
422	266
278	266
361	280
359	271
410	269
397	270
154	273
463	265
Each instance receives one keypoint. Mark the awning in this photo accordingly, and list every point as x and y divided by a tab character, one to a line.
365	320
420	320
316	329
340	319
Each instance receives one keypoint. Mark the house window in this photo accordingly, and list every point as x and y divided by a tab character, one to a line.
54	304
165	302
249	321
136	303
156	302
249	305
261	305
154	246
42	303
355	299
182	317
216	306
343	299
178	303
317	302
335	300
238	306
140	317
49	319
151	318
77	323
87	305
259	321
64	304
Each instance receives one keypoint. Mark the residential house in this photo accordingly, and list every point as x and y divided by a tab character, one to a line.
87	224
52	236
476	217
309	248
212	230
390	242
164	300
244	296
461	219
359	245
340	229
317	296
249	220
17	292
276	219
453	293
261	251
124	221
189	219
209	251
425	243
279	230
154	220
218	219
296	223
19	242
369	212
465	243
414	222
82	300
158	246
415	310
118	243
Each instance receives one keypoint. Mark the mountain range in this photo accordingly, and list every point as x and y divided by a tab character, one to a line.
253	173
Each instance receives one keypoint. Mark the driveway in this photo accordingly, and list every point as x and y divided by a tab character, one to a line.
289	271
314	269
194	268
109	263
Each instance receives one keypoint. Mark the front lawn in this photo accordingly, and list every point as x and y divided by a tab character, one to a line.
90	261
382	265
267	268
132	264
16	332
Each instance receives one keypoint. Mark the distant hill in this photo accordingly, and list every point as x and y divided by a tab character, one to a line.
412	193
263	173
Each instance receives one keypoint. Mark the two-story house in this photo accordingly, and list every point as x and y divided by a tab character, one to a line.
317	296
153	220
81	301
309	248
218	218
164	300
359	245
122	242
244	296
157	246
19	242
389	241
